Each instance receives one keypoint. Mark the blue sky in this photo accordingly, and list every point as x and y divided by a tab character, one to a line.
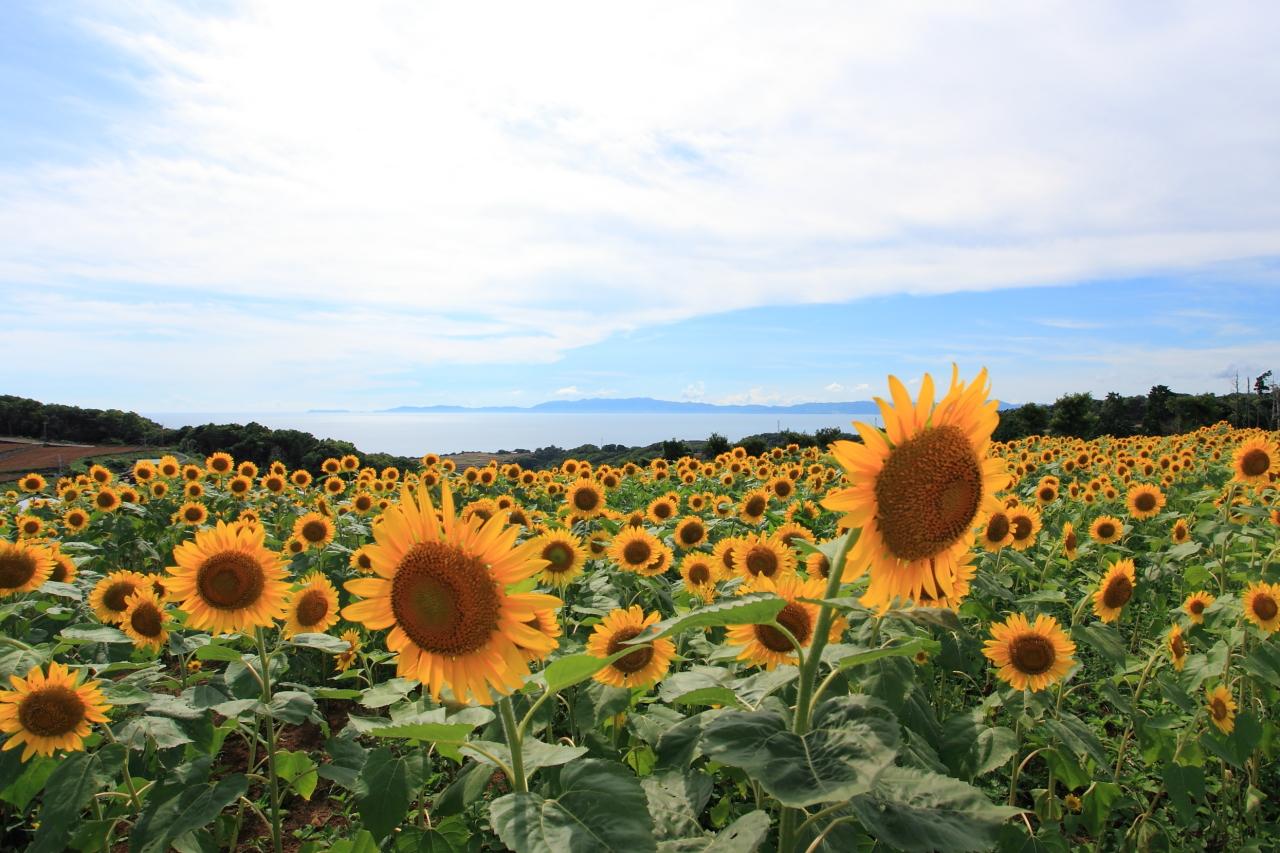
276	206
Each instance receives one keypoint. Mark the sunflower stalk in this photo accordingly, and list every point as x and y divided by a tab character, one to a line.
519	783
264	660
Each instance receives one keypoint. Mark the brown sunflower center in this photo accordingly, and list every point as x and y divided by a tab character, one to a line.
795	619
699	574
1070	542
1021	527
106	500
16	568
1118	592
586	499
998	527
754	506
633	662
195	513
1106	530
1218	708
692	532
230	580
1196	607
445	600
928	493
782	488
51	711
662	510
59	571
1265	607
1178	646
314	531
762	561
1032	654
1255	462
1145	501
559	555
312	608
147	621
115	595
1046	494
637	553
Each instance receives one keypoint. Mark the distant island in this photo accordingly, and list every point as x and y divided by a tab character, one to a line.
636	406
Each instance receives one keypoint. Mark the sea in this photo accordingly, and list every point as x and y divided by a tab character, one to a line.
416	433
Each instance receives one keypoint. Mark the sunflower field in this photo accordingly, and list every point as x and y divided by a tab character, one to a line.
920	640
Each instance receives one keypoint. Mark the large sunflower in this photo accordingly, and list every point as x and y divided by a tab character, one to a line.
1254	460
753	507
1222	708
1145	501
765	645
227	580
443	587
145	620
24	566
763	556
585	499
640	668
110	596
50	712
1262	605
313	529
918	488
312	607
1114	591
690	532
564	555
1030	655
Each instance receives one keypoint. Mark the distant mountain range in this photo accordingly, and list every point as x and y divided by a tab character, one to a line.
640	406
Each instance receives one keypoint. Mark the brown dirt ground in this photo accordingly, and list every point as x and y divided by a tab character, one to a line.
18	458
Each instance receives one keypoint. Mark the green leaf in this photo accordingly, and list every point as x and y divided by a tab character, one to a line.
299	770
676	800
411	839
1097	804
192	809
387	693
164	731
429	732
852	740
1264	662
570	670
215	651
292	706
68	791
844	657
1183	783
914	810
348	758
1104	638
386	787
94	634
536	753
744	835
600	806
467	787
971	748
123	693
28	779
1078	737
753	608
324	642
364	842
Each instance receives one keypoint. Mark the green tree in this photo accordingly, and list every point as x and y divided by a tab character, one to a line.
1159	411
716	444
1073	415
1113	416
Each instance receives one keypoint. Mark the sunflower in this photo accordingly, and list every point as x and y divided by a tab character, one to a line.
29	526
1195	605
1180	533
219	464
343	660
640	668
313	529
700	574
1070	541
1030	656
564	555
362	559
997	533
1025	524
443	587
24	566
50	712
1262	605
64	569
192	514
1254	460
543	621
1145	501
226	580
1114	591
764	645
1177	647
690	532
1106	529
918	488
585	499
763	556
106	499
635	550
145	620
722	553
75	519
1222	708
816	565
753	507
32	482
788	533
312	608
109	598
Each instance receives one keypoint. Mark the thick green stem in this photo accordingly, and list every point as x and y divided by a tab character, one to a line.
519	783
264	660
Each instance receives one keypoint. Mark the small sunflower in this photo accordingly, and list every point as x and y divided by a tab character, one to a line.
1254	460
1180	532
635	550
106	499
75	519
1145	501
1195	605
314	530
24	566
1262	605
1222	708
753	507
640	668
343	660
1106	529
219	464
226	580
32	482
585	499
661	509
544	622
64	568
997	533
564	555
765	645
816	565
110	597
192	514
362	559
763	556
1025	524
312	608
50	712
1070	541
145	620
1177	647
722	553
1114	591
690	532
700	573
1030	655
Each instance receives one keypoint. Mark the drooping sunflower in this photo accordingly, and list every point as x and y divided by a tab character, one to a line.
312	608
700	573
145	620
443	587
110	596
1195	605
816	565
1177	645
1180	532
1024	524
1114	591
585	499
640	668
1030	655
1254	460
313	529
1070	541
722	553
763	556
690	532
226	580
635	550
918	488
1145	501
765	645
1106	529
64	568
50	712
24	566
1222	708
997	533
342	660
1262	605
564	555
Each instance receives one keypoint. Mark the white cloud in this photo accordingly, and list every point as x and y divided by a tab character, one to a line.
694	391
570	391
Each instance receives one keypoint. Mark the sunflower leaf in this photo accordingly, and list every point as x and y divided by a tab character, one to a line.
385	788
68	790
913	810
753	608
324	642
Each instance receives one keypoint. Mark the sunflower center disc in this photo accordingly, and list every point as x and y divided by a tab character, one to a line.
146	621
312	608
115	595
1106	530
230	580
51	711
16	568
928	493
795	619
314	531
194	514
1219	709
1178	646
1118	592
1145	502
762	561
444	600
1032	654
699	574
1255	463
1264	606
633	662
1197	607
1021	528
692	533
637	553
586	499
755	506
559	556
